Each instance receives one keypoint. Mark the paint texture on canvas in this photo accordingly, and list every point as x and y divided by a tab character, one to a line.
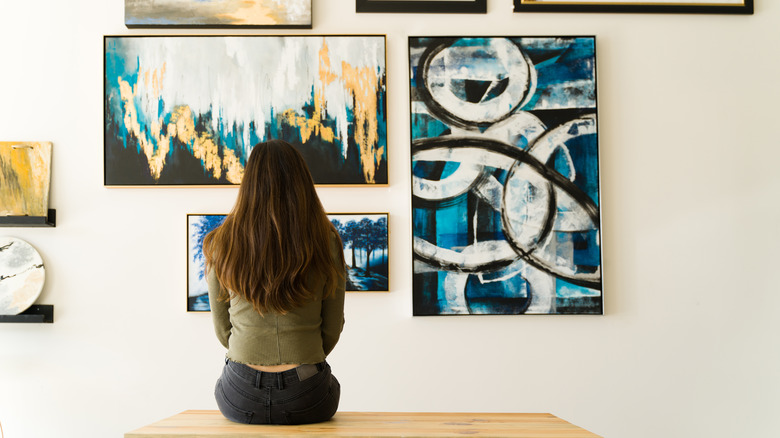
218	13
505	177
187	110
25	176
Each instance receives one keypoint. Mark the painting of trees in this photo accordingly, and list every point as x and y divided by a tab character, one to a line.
365	247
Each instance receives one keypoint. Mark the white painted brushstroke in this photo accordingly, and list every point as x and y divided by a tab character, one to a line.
489	251
460	62
242	78
521	127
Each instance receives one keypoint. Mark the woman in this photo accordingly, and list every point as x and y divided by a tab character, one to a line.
276	278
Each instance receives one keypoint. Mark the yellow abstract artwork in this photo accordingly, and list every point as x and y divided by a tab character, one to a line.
25	169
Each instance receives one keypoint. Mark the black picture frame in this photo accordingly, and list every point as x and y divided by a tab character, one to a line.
639	6
422	6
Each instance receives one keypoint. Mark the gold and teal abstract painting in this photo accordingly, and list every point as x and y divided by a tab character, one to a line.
218	13
25	177
186	110
505	176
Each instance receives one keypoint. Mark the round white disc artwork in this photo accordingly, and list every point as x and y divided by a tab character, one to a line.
21	275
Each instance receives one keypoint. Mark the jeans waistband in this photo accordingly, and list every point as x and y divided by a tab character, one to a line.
277	380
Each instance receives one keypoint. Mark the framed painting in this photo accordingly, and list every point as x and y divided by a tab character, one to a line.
422	6
186	110
660	6
218	13
25	177
366	252
364	236
505	176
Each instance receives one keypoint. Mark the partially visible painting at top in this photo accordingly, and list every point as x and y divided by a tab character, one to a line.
25	177
184	110
505	184
218	13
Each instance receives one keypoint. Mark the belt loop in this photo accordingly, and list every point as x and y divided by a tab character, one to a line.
258	379
281	380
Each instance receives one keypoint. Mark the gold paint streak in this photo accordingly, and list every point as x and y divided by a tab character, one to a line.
251	12
182	128
182	125
24	178
326	75
233	167
314	126
362	82
156	158
207	152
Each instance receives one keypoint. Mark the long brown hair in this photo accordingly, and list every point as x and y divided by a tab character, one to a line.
276	234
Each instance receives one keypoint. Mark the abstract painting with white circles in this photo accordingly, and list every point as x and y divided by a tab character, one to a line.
21	275
505	176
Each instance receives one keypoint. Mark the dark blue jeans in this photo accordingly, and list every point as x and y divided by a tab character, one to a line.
308	394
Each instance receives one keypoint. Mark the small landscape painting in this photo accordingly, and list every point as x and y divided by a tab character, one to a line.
366	253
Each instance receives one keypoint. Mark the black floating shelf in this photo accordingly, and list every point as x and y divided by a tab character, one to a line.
30	221
39	313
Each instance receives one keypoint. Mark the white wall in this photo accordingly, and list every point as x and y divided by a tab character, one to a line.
688	112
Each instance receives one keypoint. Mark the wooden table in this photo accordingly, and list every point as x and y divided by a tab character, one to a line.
197	424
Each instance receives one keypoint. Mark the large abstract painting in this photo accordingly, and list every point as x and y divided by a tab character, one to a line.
25	177
364	237
218	13
185	110
505	184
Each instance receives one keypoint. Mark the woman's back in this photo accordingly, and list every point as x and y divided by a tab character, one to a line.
276	277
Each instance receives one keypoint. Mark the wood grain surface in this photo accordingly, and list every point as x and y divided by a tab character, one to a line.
197	424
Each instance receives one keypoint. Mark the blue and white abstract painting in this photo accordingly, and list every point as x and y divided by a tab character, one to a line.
187	110
505	184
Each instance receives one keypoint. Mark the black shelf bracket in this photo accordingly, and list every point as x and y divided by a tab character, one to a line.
49	220
37	313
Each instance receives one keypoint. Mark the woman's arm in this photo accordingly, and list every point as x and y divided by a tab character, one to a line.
333	306
219	309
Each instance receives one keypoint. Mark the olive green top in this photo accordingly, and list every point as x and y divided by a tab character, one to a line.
304	335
